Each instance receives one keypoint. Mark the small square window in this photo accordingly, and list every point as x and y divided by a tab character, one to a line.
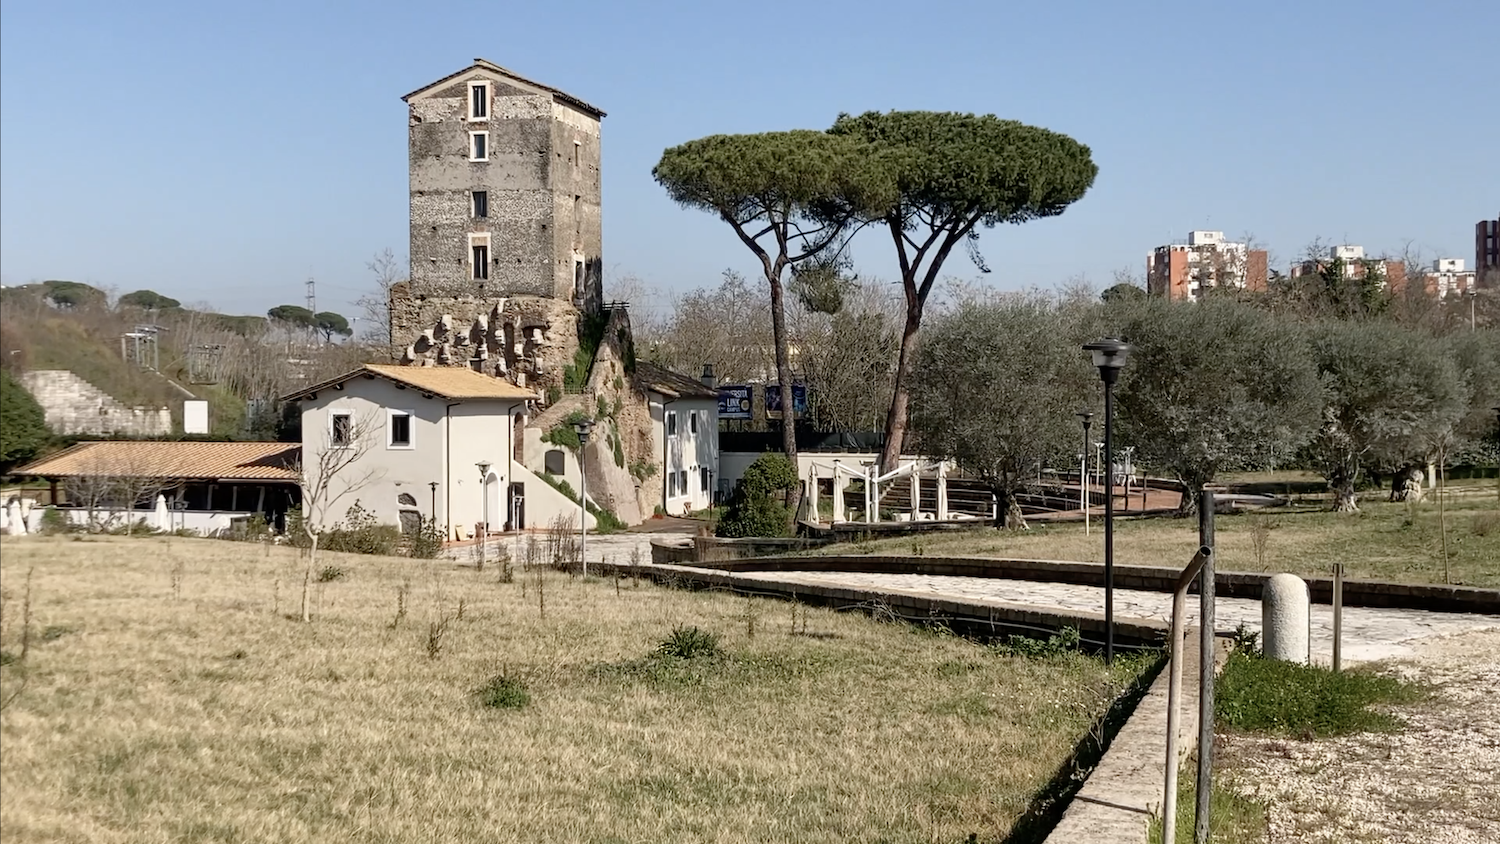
400	429
481	204
479	146
481	260
479	101
341	430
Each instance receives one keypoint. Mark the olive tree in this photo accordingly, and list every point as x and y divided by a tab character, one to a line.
1389	395
942	176
1213	386
995	385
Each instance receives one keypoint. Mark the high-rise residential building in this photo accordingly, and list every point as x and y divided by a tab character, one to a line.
1487	252
1448	277
1355	264
1207	260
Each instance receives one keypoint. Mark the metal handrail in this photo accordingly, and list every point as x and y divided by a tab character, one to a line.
1174	690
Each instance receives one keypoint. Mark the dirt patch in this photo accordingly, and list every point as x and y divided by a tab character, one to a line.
1438	780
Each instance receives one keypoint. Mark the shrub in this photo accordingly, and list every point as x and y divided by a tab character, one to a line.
426	543
1063	641
23	426
331	573
1285	698
360	533
54	522
689	643
503	692
753	508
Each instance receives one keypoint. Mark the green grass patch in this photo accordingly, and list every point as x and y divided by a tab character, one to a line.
503	692
1232	819
1306	701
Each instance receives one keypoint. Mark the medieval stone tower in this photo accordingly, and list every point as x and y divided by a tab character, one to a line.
505	227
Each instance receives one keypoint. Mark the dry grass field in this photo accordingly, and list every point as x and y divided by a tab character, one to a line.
1377	543
166	696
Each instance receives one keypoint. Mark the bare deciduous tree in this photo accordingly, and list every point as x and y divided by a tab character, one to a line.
375	308
329	474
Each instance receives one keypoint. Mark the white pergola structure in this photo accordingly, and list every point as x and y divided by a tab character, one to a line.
869	473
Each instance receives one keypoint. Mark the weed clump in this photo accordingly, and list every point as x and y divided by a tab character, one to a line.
331	573
1306	701
503	692
1062	642
689	643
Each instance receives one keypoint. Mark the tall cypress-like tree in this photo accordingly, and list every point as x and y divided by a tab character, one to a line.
23	425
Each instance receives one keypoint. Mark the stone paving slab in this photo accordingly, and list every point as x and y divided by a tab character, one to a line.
1369	633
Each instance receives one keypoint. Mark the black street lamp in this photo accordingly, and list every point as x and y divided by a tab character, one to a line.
582	428
1087	417
1109	356
433	485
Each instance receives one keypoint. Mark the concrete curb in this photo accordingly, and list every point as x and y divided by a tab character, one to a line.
981	618
1228	584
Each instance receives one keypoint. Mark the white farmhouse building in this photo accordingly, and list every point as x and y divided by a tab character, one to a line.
685	429
423	434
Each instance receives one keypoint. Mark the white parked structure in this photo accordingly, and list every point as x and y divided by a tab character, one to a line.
685	430
423	434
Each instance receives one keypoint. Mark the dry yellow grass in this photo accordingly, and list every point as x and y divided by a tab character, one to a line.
1376	543
173	700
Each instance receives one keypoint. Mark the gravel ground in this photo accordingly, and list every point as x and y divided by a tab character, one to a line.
1436	781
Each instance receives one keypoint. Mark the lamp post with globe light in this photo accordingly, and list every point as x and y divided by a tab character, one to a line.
1087	417
484	525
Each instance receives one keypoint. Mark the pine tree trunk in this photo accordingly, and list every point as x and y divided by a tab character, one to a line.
1344	500
895	420
793	497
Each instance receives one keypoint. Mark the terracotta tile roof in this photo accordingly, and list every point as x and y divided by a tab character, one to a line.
177	460
448	382
668	383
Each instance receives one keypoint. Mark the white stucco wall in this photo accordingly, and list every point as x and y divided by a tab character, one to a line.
686	451
448	440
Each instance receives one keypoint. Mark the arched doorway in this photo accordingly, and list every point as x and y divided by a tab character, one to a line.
494	505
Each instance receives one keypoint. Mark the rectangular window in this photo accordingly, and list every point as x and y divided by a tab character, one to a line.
479	101
578	218
479	146
481	204
682	481
693	422
672	423
399	428
671	484
341	429
576	155
703	479
481	260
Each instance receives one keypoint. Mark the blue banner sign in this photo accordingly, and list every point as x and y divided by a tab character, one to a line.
773	399
734	402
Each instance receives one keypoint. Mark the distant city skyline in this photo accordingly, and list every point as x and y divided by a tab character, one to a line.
224	155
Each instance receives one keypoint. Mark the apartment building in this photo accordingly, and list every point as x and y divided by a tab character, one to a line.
1206	261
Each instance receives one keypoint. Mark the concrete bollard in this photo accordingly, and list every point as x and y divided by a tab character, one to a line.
1284	618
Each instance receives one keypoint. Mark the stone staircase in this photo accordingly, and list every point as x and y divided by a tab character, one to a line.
74	406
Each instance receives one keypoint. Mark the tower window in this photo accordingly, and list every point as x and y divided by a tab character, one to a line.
479	146
479	101
481	204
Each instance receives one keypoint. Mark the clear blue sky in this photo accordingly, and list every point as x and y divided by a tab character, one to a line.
223	152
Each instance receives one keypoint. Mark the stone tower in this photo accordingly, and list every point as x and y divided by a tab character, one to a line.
505	227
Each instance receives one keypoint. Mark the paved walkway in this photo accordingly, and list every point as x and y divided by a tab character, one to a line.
613	547
1369	633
